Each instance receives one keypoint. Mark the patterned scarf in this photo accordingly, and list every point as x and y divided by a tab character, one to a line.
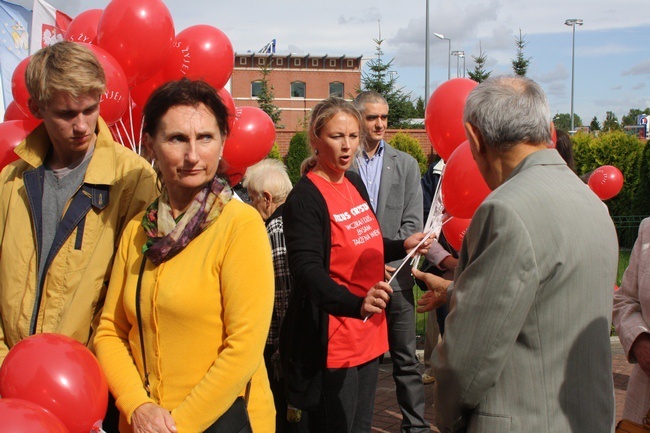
166	237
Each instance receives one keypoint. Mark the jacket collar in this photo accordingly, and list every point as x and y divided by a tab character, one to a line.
541	157
101	169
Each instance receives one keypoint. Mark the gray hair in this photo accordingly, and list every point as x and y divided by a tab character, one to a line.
368	97
268	175
509	110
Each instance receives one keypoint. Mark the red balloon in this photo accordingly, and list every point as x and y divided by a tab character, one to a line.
12	132
139	34
141	92
615	287
59	374
553	143
14	113
463	187
606	181
454	230
443	119
235	175
19	88
83	28
230	105
202	52
115	99
21	416
251	138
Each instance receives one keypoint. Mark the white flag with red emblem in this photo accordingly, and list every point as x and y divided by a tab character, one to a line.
48	25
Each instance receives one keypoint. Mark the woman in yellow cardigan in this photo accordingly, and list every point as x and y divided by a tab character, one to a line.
203	264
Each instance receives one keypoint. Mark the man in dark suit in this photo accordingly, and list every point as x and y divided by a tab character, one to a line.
392	179
526	345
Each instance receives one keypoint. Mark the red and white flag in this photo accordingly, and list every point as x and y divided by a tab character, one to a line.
48	25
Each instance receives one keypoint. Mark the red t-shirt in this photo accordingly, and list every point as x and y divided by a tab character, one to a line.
356	262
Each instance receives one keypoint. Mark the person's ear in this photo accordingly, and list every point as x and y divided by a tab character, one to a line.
475	139
147	143
34	108
268	198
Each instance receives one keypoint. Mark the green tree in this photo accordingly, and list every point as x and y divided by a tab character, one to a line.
595	124
562	121
611	122
404	142
520	63
298	151
383	81
266	96
274	153
630	118
479	74
419	107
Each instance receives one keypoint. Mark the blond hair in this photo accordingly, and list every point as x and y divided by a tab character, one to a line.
64	67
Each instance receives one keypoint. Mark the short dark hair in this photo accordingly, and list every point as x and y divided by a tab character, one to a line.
184	92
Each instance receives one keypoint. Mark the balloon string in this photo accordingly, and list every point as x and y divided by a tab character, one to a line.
131	125
435	214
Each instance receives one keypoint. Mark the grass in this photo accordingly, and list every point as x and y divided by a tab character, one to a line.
420	318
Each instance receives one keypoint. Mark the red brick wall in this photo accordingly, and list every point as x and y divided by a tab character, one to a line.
283	137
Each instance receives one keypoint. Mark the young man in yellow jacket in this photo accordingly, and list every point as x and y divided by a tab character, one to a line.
64	202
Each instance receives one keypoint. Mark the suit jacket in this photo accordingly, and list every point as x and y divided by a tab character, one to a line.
526	345
399	204
631	318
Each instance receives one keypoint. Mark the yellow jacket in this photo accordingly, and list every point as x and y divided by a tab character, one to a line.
117	185
206	313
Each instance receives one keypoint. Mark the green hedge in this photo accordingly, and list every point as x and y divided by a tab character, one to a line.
404	142
632	157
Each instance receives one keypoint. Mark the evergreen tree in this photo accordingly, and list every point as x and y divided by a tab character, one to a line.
381	80
521	63
266	96
298	150
595	124
419	107
479	74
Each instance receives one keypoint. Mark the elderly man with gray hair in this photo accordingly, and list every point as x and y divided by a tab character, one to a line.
526	345
268	186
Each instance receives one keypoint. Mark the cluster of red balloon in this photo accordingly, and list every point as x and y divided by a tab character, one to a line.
463	188
606	181
51	383
139	51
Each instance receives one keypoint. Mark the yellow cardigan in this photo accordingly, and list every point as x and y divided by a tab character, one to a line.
206	314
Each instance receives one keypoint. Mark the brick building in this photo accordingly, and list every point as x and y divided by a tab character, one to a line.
299	81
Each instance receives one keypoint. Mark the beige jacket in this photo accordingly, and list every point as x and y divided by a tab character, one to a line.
118	184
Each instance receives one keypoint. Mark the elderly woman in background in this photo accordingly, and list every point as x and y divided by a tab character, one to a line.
335	329
632	322
181	336
268	185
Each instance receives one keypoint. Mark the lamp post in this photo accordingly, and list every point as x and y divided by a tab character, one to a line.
572	22
458	55
439	36
426	56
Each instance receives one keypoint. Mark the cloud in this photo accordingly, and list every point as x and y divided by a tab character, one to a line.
639	86
604	50
373	15
558	74
619	87
642	68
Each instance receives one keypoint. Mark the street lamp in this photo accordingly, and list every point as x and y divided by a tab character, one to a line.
439	36
572	22
426	56
458	55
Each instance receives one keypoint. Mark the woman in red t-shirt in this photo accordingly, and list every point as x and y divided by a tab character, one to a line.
336	257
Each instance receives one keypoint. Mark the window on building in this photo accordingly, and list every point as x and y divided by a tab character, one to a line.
279	61
296	62
314	62
298	89
336	89
333	63
242	61
256	88
350	63
260	61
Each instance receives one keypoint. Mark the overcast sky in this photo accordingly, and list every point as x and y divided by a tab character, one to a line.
612	48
